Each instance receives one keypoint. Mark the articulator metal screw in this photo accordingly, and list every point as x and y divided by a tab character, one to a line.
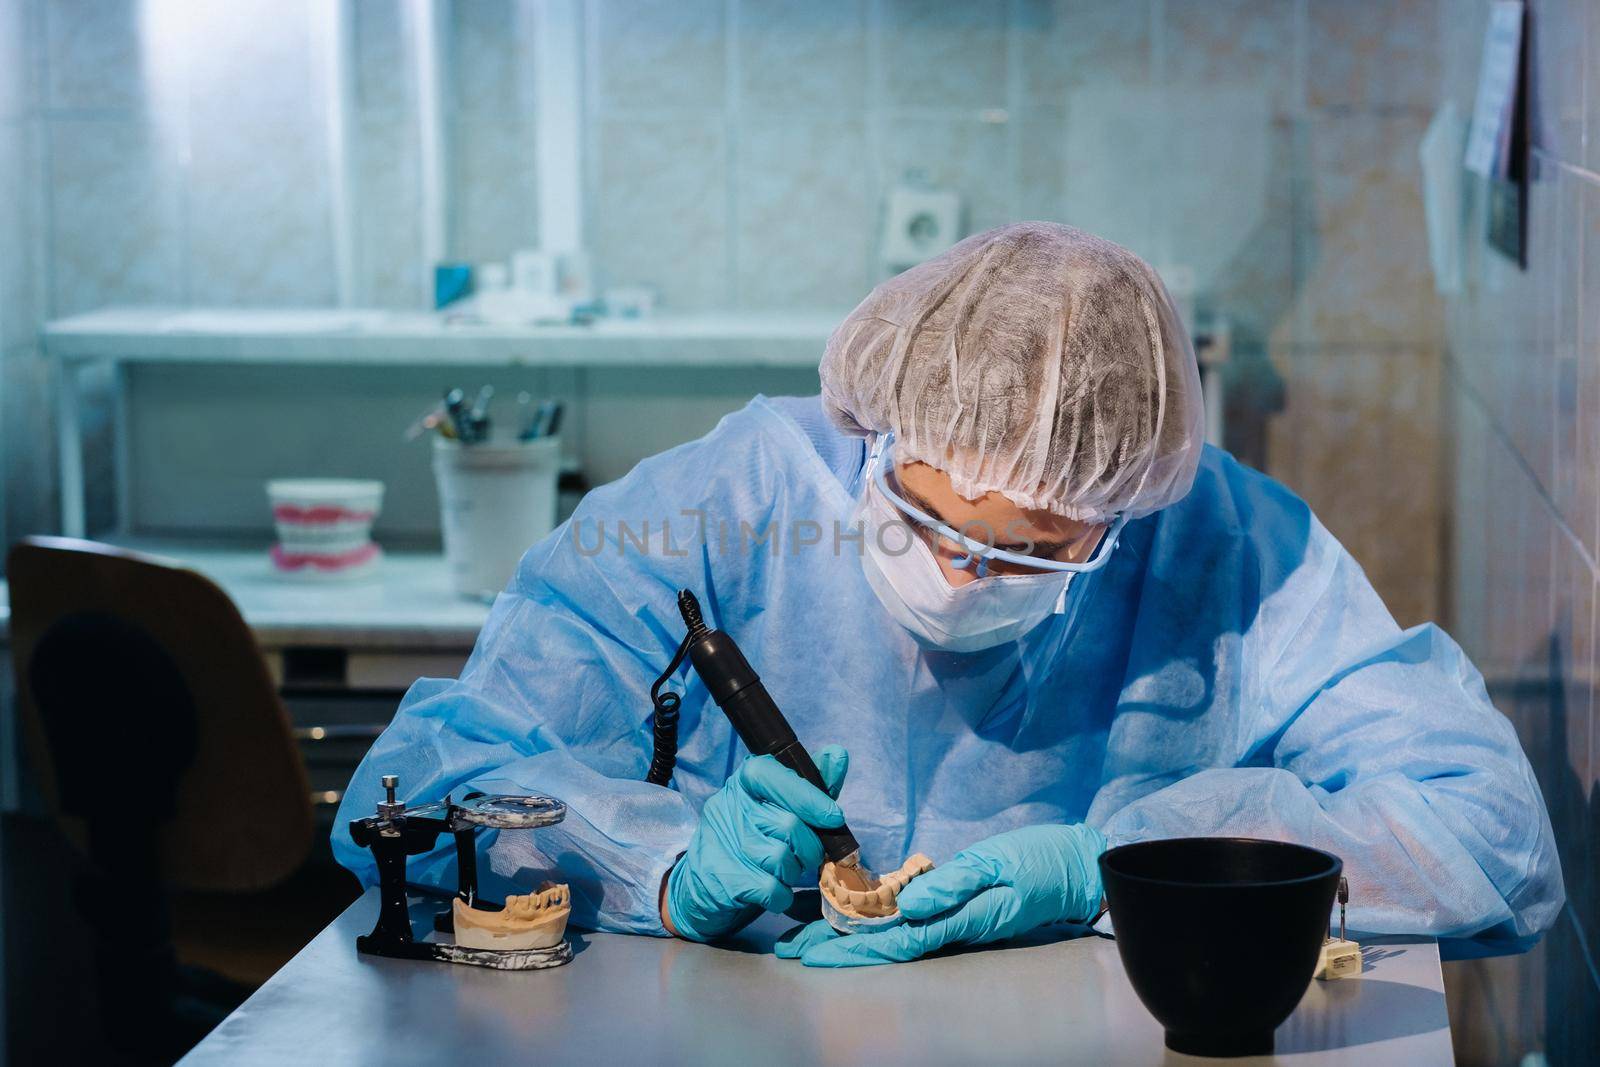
390	808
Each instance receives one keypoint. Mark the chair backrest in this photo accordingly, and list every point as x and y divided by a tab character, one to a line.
143	693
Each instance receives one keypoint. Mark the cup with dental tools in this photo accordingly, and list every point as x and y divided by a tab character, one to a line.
497	487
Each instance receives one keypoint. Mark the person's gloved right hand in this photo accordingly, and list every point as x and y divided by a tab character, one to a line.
753	846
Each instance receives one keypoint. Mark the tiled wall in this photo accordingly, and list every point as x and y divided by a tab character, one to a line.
161	151
737	155
740	152
1523	403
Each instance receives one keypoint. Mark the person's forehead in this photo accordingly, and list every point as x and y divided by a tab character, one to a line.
933	487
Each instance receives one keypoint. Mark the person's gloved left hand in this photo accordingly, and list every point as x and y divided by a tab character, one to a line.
997	889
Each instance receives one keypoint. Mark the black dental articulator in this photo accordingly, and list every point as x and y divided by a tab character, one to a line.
738	691
396	832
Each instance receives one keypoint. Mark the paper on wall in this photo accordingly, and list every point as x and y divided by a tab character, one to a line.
1488	146
1441	156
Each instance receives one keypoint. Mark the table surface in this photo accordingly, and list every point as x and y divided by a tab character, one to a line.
650	1000
407	603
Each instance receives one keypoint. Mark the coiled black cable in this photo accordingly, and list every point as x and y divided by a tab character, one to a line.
664	729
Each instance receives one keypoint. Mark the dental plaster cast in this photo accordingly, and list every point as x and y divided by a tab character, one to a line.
537	920
873	903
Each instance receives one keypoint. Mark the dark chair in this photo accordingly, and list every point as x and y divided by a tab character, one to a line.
156	735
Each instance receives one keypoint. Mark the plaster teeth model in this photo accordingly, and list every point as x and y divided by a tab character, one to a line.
537	920
873	903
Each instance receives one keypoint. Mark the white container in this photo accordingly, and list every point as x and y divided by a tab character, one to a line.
495	500
324	526
533	271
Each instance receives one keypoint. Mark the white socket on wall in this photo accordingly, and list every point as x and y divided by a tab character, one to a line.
919	224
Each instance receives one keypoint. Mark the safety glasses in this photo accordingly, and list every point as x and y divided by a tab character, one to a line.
978	553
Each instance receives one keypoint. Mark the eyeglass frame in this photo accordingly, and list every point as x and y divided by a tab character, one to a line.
977	550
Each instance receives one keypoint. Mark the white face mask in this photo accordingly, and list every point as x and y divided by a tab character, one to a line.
914	591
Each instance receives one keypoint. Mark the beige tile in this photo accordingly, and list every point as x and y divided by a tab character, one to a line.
1373	55
490	43
1459	35
1468	335
248	62
93	59
1503	535
1358	439
1041	135
1512	322
1556	57
495	187
660	54
1363	266
1116	147
1573	642
1471	500
1224	204
1529	309
1570	484
389	270
1240	44
22	221
18	58
115	215
1584	504
807	218
1283	420
802	55
260	187
1063	44
1535	556
1591	109
258	208
941	55
659	213
381	57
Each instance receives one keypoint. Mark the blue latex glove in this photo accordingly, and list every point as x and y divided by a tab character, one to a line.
1003	886
754	844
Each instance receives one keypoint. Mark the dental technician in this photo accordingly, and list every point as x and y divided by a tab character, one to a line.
995	573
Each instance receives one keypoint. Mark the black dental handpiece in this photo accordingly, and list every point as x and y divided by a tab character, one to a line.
738	691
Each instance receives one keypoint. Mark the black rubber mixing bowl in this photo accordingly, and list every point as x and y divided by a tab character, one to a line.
1219	935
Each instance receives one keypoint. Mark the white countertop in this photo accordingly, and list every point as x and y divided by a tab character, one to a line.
359	336
406	604
629	999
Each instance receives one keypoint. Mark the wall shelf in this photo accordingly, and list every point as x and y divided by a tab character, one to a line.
338	337
370	337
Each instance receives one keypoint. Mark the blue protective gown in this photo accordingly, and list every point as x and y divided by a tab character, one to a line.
1230	671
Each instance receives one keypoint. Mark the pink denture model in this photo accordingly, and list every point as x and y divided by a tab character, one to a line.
324	526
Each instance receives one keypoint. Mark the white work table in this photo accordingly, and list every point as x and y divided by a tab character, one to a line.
402	622
406	601
647	1000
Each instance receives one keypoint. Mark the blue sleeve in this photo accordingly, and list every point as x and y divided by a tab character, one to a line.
555	700
1379	745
